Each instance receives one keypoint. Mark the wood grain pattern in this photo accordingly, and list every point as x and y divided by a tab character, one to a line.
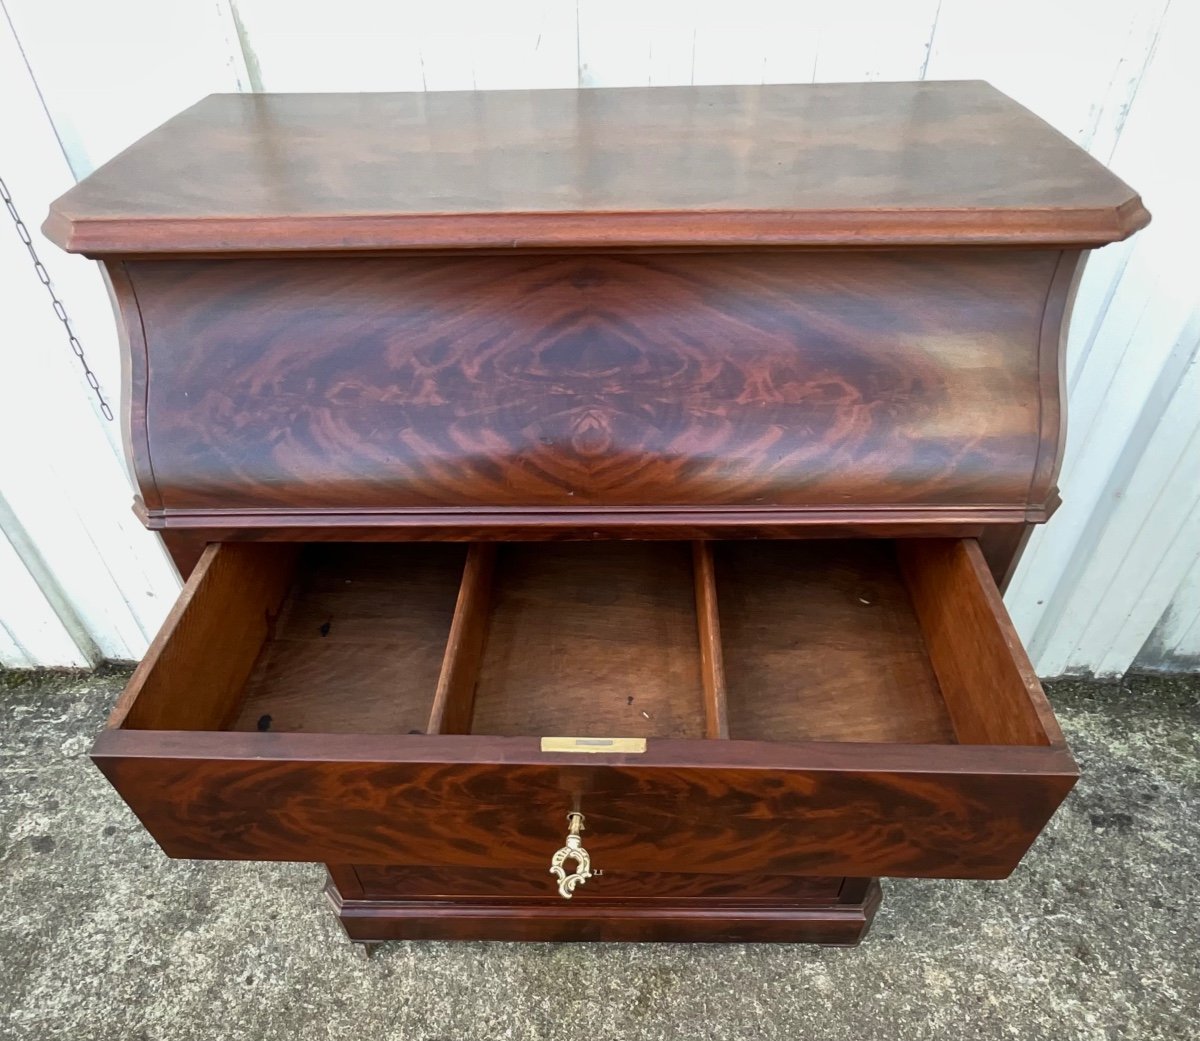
823	164
185	549
575	628
391	882
869	386
344	880
965	811
821	643
135	364
833	925
583	525
1002	546
712	656
836	921
1052	360
991	691
454	700
194	671
592	640
358	644
772	312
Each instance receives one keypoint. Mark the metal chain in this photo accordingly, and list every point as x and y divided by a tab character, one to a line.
44	277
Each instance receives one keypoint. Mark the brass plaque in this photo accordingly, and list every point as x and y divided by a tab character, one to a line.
594	744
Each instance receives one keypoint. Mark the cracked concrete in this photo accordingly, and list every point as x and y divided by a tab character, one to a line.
103	937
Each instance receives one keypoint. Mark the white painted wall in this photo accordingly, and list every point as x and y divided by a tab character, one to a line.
1174	646
1115	575
80	580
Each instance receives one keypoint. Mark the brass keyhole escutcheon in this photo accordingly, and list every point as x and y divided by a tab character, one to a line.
574	851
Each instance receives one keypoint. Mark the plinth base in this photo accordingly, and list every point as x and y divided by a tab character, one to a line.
841	921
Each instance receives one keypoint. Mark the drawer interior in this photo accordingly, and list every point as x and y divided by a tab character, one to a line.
844	641
357	642
591	640
822	643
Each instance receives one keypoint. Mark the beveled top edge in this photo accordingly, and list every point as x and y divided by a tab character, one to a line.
600	230
814	165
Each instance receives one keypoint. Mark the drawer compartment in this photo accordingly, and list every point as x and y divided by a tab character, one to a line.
820	708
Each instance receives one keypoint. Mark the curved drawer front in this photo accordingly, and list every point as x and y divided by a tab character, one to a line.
915	382
806	708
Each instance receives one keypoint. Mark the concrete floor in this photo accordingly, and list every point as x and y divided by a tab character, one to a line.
1094	937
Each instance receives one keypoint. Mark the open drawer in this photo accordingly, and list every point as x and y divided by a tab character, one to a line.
795	707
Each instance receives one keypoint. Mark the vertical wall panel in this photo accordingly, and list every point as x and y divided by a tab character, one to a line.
66	496
1124	489
625	43
362	45
1145	538
1076	63
1174	645
112	71
31	634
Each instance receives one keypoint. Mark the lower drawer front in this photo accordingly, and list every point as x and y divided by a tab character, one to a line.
787	708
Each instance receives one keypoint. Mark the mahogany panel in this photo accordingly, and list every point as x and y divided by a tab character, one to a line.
1002	546
821	643
392	882
712	654
592	640
343	878
186	547
377	921
848	163
195	668
454	700
438	391
1052	361
584	525
498	802
134	375
990	688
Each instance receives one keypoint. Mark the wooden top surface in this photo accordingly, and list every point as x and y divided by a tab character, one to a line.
836	164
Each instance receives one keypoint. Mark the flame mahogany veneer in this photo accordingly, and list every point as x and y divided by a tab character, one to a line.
710	416
524	390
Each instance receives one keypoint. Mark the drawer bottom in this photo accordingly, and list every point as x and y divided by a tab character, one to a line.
813	911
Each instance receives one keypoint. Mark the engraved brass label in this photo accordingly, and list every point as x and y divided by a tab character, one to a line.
594	744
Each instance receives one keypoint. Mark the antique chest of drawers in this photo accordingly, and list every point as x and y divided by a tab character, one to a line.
594	504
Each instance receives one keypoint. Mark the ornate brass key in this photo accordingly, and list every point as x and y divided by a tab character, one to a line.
573	850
